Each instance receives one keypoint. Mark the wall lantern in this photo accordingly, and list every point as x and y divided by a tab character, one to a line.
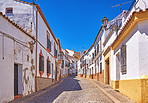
104	21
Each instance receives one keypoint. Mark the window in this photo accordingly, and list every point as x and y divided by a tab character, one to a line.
9	10
97	48
95	53
92	55
48	66
123	59
48	42
100	68
55	51
100	44
41	64
62	63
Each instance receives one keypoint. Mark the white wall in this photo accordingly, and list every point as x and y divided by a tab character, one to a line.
15	53
143	47
132	54
42	38
23	14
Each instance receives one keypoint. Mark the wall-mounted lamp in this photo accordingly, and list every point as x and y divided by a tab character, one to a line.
104	21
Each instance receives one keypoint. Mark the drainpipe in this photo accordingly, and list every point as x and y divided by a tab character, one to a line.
36	49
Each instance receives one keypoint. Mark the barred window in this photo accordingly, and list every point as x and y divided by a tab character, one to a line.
48	42
48	66
41	64
97	48
100	44
123	59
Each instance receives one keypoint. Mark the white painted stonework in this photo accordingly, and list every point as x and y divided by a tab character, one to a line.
12	52
23	14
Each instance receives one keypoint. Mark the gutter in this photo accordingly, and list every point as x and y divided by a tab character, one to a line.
36	49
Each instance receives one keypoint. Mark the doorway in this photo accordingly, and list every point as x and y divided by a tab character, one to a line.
92	73
18	78
107	71
118	66
52	72
55	71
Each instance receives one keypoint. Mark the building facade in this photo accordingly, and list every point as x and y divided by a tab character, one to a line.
17	61
121	59
40	68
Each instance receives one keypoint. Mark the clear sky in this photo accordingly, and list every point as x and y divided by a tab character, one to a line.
77	22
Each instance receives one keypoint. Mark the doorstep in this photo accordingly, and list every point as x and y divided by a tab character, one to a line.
18	96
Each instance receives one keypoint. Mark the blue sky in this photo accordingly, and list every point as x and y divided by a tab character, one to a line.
77	22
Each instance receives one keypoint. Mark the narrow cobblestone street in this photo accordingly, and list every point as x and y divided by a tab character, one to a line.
71	90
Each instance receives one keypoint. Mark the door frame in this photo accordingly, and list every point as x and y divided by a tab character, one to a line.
20	80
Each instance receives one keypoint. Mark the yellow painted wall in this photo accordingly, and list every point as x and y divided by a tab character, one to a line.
87	76
136	89
115	84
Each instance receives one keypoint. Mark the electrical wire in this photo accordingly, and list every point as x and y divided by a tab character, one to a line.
15	39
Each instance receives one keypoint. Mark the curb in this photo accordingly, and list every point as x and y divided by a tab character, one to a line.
106	93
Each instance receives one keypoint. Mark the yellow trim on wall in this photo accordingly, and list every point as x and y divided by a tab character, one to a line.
128	27
135	89
115	84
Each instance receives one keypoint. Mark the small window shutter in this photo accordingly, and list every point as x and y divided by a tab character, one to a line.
123	59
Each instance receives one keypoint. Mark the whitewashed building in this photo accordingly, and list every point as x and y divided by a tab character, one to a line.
65	63
30	18
123	58
17	52
73	56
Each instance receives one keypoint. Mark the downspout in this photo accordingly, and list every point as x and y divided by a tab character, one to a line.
36	49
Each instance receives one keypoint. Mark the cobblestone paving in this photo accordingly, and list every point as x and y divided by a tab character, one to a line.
72	90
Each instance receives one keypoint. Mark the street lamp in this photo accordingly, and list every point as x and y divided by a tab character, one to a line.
104	21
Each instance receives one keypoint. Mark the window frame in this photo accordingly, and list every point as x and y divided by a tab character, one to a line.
123	59
9	9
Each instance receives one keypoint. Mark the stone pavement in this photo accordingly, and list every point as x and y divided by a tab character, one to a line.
112	94
71	90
